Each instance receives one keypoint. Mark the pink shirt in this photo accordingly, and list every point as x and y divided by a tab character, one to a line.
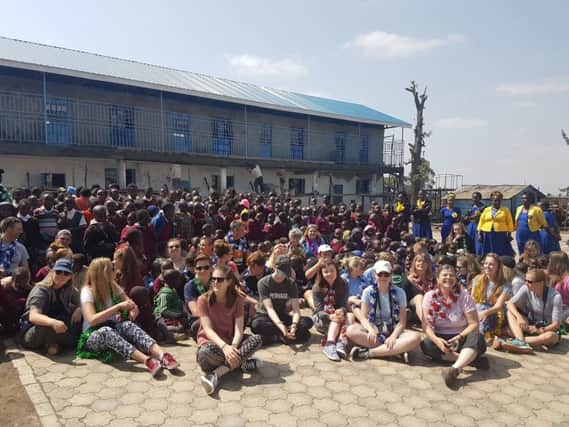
563	289
455	321
222	319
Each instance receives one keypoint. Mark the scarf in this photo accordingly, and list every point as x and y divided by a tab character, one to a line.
201	289
7	253
375	306
106	356
441	305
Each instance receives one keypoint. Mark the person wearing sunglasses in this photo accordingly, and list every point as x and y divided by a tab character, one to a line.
52	317
194	288
220	337
175	254
383	318
534	316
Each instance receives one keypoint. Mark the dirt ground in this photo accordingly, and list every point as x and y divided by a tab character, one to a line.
16	408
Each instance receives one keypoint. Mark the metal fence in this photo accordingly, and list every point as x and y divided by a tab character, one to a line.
33	118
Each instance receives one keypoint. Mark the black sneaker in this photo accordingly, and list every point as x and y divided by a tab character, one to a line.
209	382
359	353
481	363
251	365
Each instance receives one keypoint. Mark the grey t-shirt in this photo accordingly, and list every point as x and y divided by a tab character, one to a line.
533	307
278	293
20	255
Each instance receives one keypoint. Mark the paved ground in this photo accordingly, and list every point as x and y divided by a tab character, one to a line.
299	387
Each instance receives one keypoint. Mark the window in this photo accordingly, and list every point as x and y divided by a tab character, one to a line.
58	128
296	144
52	180
266	141
362	186
340	147
230	182
130	176
122	126
111	176
296	186
179	139
364	149
221	136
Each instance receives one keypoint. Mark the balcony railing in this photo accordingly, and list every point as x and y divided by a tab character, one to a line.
31	118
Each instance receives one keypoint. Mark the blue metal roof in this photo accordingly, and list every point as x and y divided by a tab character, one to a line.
22	54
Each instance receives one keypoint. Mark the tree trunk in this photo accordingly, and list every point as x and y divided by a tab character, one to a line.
416	149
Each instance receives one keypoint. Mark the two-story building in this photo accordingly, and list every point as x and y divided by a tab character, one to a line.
74	118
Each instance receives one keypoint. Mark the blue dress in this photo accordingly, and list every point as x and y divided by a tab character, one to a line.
549	243
523	234
448	221
496	242
472	227
422	221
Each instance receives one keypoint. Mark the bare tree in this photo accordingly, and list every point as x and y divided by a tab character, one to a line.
416	178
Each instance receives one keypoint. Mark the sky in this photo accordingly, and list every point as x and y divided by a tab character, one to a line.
497	72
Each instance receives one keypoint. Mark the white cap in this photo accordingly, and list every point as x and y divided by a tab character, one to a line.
324	248
382	267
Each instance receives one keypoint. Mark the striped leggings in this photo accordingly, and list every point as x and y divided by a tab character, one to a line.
123	338
210	356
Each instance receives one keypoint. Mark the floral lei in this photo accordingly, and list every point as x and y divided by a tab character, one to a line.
441	305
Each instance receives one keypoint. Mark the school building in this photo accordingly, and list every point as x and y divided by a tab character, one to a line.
74	118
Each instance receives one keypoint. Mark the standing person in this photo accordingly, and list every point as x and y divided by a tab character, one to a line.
383	320
272	320
108	326
258	179
472	220
12	253
534	316
220	338
490	292
529	221
550	236
451	326
402	209
495	228
101	236
449	214
422	217
52	316
5	195
330	294
149	239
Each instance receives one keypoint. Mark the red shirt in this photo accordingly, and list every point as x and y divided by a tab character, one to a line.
222	319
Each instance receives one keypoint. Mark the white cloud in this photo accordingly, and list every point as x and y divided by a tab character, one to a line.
524	104
382	45
460	123
258	66
543	87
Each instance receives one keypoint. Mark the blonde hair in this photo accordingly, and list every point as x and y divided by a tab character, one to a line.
100	280
427	260
352	263
481	283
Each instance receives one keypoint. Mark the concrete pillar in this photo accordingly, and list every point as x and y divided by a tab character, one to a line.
374	189
122	173
223	179
315	177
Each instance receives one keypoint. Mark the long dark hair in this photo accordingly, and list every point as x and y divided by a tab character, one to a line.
232	292
320	283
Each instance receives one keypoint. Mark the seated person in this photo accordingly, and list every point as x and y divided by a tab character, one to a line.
199	285
169	308
534	316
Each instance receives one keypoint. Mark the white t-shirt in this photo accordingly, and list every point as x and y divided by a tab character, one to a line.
87	296
256	171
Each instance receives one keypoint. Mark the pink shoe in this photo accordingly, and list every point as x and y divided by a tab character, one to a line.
153	366
168	362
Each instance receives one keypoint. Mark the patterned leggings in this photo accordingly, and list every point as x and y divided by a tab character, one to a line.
120	338
210	356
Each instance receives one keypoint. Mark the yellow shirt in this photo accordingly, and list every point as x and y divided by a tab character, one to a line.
536	220
501	222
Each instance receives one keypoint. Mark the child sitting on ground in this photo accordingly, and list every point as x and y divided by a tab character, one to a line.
169	308
14	291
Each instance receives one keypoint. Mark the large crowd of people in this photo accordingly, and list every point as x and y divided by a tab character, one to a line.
113	274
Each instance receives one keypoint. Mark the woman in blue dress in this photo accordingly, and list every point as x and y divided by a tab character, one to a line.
495	228
549	236
472	220
529	221
422	217
449	215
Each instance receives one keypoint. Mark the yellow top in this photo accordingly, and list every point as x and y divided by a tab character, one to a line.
536	220
420	203
399	207
501	222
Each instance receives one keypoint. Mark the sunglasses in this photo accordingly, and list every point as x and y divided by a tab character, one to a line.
218	279
61	272
531	282
174	247
203	268
384	274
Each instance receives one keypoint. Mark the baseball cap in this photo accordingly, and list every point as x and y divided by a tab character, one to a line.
282	265
382	267
324	248
63	264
